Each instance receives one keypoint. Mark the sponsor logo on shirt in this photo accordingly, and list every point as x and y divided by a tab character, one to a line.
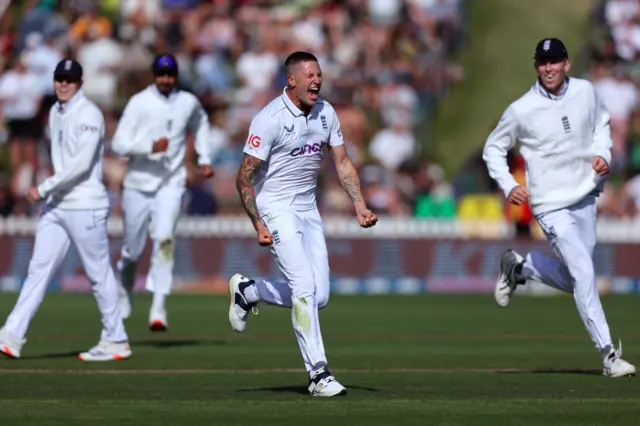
307	149
289	129
254	140
88	128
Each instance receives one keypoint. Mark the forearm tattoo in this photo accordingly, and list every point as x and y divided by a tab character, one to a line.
244	184
350	181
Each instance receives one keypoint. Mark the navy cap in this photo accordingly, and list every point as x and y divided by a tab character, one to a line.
69	69
165	64
551	48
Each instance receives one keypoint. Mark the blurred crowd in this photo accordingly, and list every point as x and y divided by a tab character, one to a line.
386	64
614	68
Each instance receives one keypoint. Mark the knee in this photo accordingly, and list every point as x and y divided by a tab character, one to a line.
322	300
322	296
164	249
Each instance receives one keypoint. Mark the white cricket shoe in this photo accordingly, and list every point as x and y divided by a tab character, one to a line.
107	351
158	319
323	384
507	282
10	345
239	306
124	301
615	366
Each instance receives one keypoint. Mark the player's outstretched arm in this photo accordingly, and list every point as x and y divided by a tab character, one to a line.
351	183
244	183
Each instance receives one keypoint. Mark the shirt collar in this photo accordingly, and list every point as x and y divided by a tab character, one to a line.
170	98
539	89
63	107
294	109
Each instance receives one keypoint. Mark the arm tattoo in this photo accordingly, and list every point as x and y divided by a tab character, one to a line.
244	184
350	181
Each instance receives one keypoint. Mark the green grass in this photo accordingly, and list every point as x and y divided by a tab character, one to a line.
455	360
498	66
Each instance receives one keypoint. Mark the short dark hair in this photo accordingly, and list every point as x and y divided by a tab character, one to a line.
295	58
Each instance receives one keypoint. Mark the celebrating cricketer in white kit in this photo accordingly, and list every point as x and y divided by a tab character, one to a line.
152	134
564	136
277	184
76	210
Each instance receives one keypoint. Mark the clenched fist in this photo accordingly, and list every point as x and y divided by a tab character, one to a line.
519	195
600	166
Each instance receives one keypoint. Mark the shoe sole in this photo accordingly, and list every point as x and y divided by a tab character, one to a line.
343	392
232	298
628	373
115	357
502	278
156	326
7	352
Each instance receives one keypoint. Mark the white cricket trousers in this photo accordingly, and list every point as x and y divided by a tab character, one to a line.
572	234
56	230
300	252
154	213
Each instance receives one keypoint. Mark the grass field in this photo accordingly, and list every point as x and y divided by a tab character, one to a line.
406	360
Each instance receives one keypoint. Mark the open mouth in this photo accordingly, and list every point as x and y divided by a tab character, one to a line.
313	93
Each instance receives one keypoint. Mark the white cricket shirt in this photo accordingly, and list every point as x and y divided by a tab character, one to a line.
149	116
291	145
559	137
77	131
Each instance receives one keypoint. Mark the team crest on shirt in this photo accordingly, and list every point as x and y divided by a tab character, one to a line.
323	118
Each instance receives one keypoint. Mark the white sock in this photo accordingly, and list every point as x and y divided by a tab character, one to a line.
251	294
158	301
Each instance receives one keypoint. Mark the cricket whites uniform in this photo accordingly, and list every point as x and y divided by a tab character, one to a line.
290	144
154	185
559	137
76	211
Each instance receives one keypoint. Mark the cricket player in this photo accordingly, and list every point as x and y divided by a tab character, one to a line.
152	134
563	130
75	210
277	182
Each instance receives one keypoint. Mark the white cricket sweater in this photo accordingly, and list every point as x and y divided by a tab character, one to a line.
559	137
77	131
149	116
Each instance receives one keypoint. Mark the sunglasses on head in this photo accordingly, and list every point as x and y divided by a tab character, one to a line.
62	78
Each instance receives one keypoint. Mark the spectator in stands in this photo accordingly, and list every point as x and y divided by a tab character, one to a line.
384	60
620	97
20	98
393	145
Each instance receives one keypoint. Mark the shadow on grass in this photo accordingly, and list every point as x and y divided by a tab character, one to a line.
175	343
557	371
302	390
